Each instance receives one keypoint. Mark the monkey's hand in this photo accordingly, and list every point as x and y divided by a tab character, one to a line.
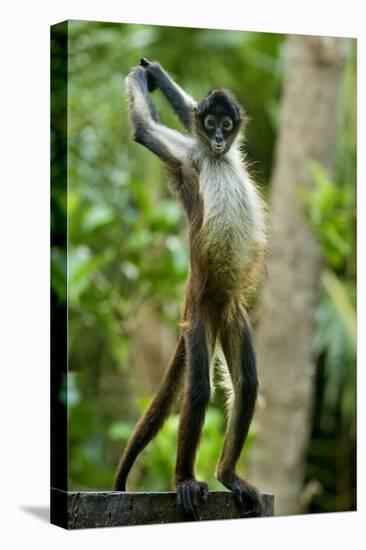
246	496
152	73
189	493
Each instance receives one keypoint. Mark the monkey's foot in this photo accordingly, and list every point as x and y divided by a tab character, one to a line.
189	493
246	496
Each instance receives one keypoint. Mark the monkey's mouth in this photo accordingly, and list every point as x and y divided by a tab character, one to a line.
218	147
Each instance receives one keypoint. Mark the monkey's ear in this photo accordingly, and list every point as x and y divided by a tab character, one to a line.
144	62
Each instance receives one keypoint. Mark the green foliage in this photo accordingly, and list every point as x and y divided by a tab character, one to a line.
336	341
89	464
331	210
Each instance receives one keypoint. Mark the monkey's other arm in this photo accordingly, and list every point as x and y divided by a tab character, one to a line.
168	144
182	103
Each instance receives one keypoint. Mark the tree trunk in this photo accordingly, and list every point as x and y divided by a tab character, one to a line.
286	314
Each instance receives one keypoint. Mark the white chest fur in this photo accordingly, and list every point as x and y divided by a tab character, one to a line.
232	210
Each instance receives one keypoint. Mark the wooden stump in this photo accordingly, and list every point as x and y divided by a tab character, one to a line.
74	510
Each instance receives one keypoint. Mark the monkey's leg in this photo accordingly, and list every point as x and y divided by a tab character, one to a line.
237	345
195	401
153	419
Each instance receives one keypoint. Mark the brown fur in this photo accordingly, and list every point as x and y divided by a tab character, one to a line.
214	308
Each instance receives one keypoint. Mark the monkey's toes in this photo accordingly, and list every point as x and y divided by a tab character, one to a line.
247	498
189	493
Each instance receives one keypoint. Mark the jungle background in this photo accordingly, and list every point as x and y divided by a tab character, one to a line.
127	263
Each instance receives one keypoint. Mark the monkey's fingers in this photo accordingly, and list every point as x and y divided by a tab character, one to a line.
190	503
238	497
189	494
250	503
149	71
144	62
246	497
249	508
203	491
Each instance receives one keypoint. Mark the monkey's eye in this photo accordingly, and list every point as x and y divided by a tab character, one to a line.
210	122
227	124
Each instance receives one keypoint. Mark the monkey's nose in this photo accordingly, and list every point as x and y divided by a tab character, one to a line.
219	138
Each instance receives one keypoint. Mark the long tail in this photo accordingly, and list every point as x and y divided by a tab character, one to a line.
154	417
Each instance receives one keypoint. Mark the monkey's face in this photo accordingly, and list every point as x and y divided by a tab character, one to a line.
217	120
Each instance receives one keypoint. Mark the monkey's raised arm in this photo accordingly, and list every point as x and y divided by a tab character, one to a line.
182	103
169	145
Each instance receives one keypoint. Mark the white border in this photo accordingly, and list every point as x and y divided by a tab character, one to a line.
25	281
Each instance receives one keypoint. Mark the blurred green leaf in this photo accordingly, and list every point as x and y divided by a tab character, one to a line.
343	305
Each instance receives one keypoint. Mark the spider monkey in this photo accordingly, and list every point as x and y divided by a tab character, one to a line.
227	243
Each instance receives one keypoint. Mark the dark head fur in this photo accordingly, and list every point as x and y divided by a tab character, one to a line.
220	104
